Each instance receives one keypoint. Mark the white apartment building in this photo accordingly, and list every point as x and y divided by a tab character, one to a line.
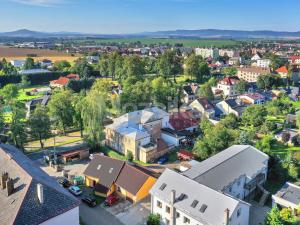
213	189
265	63
228	86
230	53
207	52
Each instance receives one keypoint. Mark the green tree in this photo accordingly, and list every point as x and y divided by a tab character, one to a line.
29	64
61	110
273	217
62	65
133	66
9	92
206	91
17	126
265	144
229	71
39	124
230	121
153	219
241	87
254	116
83	68
93	116
169	64
193	67
25	82
164	91
129	156
245	138
78	104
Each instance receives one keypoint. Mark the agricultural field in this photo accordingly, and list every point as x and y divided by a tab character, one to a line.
152	41
22	53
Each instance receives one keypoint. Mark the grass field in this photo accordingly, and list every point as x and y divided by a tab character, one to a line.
153	41
22	53
22	93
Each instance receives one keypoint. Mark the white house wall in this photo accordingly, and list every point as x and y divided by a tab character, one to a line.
70	217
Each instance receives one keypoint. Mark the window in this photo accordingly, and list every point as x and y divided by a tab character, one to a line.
163	186
239	212
186	220
177	214
159	205
168	209
194	204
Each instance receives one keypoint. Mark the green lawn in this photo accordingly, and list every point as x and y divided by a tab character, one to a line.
276	119
281	149
22	93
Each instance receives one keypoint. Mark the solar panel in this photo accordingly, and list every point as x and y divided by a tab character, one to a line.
195	203
163	186
203	208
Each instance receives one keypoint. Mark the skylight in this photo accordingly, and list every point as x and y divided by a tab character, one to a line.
163	186
195	203
99	167
110	170
203	208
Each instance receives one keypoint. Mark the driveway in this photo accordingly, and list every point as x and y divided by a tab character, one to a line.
96	216
258	213
136	214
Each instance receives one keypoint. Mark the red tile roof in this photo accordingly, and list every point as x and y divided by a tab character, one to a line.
183	120
61	81
294	57
282	69
229	80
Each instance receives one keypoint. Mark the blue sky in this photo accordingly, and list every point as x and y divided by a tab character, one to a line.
130	16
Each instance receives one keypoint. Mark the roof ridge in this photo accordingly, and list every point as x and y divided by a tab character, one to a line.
224	160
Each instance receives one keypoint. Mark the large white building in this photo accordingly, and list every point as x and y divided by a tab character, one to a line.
207	52
29	196
265	63
214	190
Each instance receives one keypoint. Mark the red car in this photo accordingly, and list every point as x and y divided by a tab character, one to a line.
111	200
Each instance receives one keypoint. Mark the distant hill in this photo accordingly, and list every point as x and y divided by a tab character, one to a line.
201	33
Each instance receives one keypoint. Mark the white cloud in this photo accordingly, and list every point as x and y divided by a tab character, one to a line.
44	3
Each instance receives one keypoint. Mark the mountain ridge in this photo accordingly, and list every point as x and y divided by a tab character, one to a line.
179	33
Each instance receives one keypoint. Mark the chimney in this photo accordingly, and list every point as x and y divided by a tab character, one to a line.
226	216
4	178
172	208
9	186
40	193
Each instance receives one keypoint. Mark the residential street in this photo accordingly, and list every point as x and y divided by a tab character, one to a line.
97	216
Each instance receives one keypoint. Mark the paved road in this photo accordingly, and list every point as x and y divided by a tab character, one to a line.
97	216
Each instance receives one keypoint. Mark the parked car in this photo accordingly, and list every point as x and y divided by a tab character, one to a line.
75	190
111	200
64	182
162	160
89	200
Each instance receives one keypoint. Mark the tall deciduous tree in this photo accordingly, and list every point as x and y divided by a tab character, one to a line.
17	126
193	67
29	64
133	67
39	124
9	92
61	110
169	64
93	116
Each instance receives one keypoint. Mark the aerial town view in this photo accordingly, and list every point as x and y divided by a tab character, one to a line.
149	112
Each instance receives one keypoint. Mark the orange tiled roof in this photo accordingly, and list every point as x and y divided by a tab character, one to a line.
282	69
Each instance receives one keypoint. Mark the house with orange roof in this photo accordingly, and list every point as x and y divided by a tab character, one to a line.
282	71
63	81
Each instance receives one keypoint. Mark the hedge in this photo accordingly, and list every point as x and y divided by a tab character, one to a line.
35	79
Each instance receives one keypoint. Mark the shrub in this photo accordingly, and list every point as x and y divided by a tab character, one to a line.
153	219
129	156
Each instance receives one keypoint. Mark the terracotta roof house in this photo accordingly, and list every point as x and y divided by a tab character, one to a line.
295	59
63	81
184	121
282	71
227	86
29	196
107	176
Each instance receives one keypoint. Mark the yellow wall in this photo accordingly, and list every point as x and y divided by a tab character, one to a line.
89	181
144	191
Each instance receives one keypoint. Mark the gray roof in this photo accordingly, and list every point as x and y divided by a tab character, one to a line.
223	168
289	192
22	207
216	202
43	101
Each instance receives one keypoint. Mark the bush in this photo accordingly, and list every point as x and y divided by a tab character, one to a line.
129	156
153	219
